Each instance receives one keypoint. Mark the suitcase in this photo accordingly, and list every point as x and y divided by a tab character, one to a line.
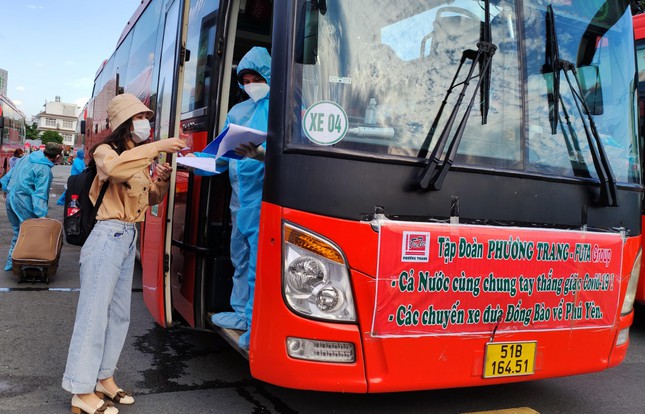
35	257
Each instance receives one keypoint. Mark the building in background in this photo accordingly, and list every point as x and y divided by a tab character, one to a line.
4	78
60	117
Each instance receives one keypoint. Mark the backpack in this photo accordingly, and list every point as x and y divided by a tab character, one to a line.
79	225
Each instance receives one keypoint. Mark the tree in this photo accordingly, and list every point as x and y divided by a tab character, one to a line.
31	131
51	136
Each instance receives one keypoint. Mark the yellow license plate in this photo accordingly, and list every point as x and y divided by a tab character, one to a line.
507	359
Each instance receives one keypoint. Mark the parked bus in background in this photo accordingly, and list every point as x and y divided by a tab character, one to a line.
639	36
12	131
79	141
452	189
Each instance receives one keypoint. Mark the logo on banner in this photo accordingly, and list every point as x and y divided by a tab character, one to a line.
416	246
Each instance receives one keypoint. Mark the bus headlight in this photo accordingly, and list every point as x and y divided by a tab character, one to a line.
305	273
315	278
328	298
630	295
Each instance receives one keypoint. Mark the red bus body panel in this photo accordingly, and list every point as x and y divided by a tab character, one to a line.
639	26
396	364
152	248
640	292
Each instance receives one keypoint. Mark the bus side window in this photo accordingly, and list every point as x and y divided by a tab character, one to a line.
201	44
141	52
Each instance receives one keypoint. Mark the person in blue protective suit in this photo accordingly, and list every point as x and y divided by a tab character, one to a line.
77	167
27	186
246	176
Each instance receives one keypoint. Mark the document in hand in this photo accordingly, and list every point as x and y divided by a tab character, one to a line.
206	164
231	137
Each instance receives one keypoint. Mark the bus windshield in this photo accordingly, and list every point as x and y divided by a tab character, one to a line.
371	78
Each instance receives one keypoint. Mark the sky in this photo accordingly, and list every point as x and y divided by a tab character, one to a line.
54	47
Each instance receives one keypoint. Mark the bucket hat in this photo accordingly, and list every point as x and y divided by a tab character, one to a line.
123	107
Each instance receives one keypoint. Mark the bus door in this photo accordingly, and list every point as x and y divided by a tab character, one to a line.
639	40
155	273
197	247
218	36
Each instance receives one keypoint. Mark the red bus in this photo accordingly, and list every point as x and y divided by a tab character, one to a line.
639	37
12	131
409	239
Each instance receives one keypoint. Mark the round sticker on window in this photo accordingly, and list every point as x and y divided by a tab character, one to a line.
325	123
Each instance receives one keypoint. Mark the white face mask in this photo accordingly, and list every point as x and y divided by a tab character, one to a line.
141	131
256	91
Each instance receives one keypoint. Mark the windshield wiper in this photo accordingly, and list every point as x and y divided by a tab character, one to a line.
553	65
430	178
484	88
423	151
572	142
601	162
596	147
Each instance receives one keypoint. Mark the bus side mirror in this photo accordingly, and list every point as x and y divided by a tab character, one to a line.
1	123
83	127
306	50
589	78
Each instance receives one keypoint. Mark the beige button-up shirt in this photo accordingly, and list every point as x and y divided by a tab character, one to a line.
131	189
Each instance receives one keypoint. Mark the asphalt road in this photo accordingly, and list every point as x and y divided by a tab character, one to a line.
181	371
170	371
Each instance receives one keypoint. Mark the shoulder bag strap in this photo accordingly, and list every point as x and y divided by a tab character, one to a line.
100	199
103	190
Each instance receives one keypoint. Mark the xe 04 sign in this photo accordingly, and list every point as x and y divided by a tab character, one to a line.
435	279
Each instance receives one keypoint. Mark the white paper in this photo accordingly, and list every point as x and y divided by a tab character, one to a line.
202	163
231	138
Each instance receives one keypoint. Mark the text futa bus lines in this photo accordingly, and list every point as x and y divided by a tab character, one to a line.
452	190
639	36
12	131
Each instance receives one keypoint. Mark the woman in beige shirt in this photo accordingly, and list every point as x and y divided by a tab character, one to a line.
107	257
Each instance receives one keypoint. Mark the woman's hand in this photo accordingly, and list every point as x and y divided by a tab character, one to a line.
163	171
251	151
170	145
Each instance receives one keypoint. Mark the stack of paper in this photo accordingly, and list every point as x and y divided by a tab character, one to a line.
224	146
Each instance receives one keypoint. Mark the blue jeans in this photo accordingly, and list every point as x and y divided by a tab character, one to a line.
103	313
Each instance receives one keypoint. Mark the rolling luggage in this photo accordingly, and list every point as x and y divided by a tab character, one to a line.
35	257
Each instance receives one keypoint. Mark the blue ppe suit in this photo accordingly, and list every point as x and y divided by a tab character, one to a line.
77	167
247	177
27	186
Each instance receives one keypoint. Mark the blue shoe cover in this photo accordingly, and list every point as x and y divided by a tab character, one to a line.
229	320
9	267
245	340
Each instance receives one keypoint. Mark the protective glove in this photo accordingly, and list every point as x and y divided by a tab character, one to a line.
251	151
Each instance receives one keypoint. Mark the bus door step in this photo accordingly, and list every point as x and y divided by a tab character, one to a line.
232	336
